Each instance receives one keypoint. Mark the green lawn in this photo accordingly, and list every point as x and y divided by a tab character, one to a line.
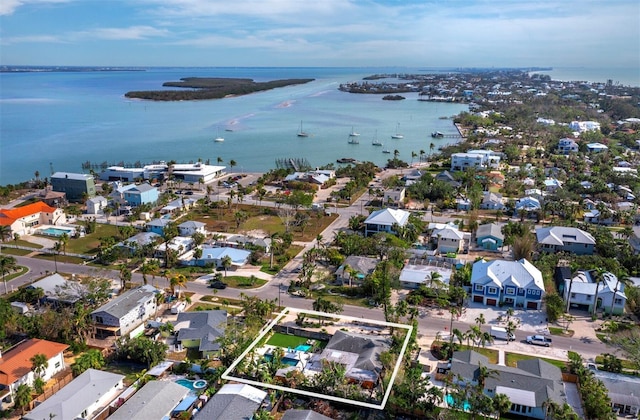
242	282
286	341
89	244
511	359
14	251
491	354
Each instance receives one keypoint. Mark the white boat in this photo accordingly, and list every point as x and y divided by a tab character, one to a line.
397	135
375	141
218	139
301	132
386	151
353	133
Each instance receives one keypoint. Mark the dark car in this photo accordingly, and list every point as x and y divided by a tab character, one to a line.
218	285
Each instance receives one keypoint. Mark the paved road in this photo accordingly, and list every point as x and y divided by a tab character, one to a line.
277	289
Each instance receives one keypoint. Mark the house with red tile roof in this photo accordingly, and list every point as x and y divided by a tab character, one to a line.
15	364
24	220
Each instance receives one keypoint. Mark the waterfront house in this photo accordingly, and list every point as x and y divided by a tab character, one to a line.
77	187
155	400
200	330
384	221
86	397
565	239
529	386
16	367
232	401
580	292
190	227
26	219
359	269
125	314
517	284
196	173
489	236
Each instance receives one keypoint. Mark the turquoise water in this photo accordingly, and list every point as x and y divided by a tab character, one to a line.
192	385
450	402
55	231
285	360
303	347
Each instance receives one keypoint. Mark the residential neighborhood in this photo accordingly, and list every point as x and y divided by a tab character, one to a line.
192	290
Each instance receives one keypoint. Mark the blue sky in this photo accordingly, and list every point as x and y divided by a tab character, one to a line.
439	33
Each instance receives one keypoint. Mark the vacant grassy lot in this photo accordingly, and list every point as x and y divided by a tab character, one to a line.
90	243
512	359
241	282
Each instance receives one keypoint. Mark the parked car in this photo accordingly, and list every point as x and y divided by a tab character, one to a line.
218	285
539	340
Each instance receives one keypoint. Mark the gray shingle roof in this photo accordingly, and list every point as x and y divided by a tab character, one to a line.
205	326
490	229
303	415
126	302
232	402
368	348
69	402
155	400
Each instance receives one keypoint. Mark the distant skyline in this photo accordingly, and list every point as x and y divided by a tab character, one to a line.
309	33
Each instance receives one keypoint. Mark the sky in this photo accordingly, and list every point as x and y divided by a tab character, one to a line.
325	33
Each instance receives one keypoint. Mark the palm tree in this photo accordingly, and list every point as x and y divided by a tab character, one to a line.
5	232
232	163
226	263
179	280
431	147
39	364
272	247
501	404
7	265
421	155
599	277
621	278
23	396
413	156
396	153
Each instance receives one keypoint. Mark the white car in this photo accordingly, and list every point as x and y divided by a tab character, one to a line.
539	340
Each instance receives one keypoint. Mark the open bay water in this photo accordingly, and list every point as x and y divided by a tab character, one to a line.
59	120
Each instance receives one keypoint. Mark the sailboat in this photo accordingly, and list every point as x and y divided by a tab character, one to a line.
353	133
218	139
375	141
397	135
301	132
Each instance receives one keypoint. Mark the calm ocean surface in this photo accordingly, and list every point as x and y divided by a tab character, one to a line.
60	120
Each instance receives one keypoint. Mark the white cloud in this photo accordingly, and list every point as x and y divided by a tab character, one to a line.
8	7
129	33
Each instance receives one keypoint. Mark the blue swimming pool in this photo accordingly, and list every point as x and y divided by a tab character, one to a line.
55	231
286	360
302	347
192	385
451	403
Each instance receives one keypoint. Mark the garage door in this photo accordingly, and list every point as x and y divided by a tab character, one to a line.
492	302
477	299
532	305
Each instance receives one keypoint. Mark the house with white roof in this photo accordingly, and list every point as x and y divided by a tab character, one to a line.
126	313
194	173
583	126
57	290
214	256
179	245
552	184
384	220
596	147
413	275
139	241
527	205
565	239
179	205
394	196
85	397
580	292
478	159
96	205
450	239
517	284
492	201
